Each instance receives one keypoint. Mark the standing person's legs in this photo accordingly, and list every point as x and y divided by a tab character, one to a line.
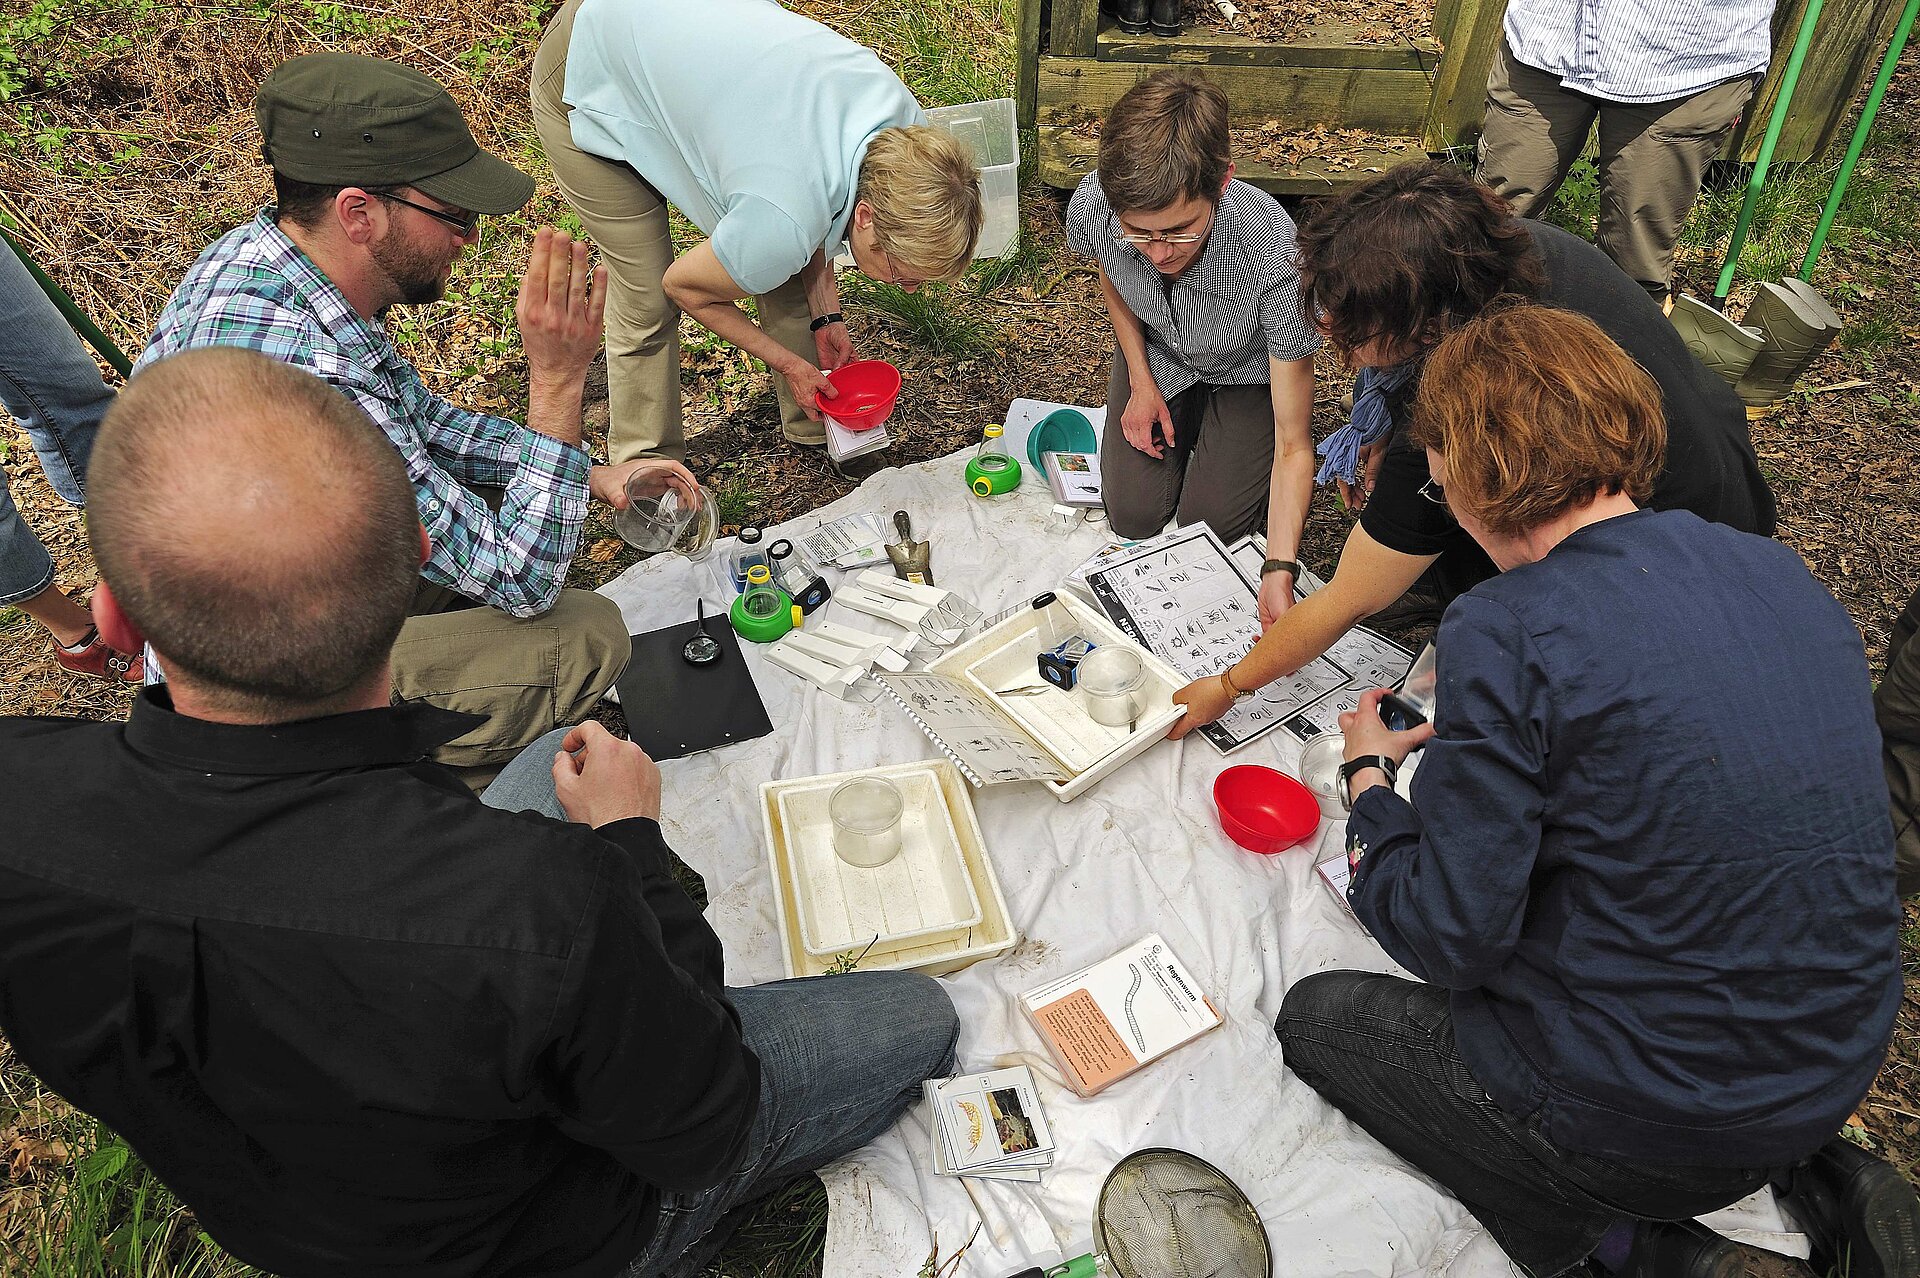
1230	472
1532	133
1896	704
627	222
1381	1050
784	316
48	381
1652	156
527	675
841	1058
1143	492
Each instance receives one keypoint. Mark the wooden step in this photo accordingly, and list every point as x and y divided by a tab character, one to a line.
1068	154
1393	103
1325	44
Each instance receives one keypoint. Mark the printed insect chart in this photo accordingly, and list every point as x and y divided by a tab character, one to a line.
1187	598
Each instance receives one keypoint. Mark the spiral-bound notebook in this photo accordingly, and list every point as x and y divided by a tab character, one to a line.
986	745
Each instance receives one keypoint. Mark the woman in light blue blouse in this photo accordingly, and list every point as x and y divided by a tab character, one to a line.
777	138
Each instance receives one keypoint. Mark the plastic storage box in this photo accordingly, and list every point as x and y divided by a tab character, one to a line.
1002	658
988	128
809	885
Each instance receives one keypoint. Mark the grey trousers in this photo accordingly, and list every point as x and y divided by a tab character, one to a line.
1652	155
1896	704
626	220
1218	471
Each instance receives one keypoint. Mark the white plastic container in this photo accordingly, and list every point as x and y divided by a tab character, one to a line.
988	127
806	874
1002	658
923	894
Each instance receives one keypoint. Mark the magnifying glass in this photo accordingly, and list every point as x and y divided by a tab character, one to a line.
703	649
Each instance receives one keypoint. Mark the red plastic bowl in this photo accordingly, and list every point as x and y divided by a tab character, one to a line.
1263	810
868	389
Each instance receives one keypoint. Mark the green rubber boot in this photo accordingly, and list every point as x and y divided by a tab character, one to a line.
1798	326
1716	341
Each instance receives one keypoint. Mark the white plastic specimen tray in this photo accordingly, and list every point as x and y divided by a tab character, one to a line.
923	894
1003	658
809	879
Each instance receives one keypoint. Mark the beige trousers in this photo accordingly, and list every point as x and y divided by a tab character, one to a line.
1896	703
1652	156
626	219
528	676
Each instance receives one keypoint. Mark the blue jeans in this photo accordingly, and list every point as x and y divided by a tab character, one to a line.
841	1058
50	384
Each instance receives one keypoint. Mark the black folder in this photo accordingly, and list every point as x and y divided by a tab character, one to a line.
675	709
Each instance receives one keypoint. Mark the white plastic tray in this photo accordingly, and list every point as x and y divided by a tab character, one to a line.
922	894
937	956
1002	657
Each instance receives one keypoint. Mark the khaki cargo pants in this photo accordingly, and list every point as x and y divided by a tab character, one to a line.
528	676
626	220
1652	155
1896	704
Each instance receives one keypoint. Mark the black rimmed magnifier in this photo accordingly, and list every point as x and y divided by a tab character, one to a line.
703	649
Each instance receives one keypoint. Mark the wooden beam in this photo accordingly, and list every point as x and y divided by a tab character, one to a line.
1075	24
1847	46
1026	63
1066	156
1073	90
1329	44
1471	36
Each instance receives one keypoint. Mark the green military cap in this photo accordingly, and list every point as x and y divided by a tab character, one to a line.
341	119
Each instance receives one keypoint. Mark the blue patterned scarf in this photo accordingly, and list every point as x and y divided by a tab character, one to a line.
1368	424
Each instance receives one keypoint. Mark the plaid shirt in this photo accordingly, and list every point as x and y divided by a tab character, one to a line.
1229	312
254	288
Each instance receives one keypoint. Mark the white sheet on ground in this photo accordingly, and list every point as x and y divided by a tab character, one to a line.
1140	852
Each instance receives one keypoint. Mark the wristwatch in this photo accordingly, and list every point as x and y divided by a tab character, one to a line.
1280	565
1361	764
821	321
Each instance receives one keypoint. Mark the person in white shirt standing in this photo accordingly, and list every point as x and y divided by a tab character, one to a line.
1666	79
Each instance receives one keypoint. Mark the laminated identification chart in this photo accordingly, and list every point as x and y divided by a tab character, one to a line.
1185	597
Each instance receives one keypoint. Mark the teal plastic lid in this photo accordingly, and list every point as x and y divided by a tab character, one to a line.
1064	430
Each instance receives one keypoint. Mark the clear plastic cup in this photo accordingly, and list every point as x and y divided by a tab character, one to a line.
1114	679
866	821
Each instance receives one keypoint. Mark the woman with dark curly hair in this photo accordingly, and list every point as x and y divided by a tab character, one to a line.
1387	270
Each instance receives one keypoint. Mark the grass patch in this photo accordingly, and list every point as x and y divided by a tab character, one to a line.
931	318
946	51
1023	266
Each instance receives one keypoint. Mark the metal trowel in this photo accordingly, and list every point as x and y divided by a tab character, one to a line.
912	560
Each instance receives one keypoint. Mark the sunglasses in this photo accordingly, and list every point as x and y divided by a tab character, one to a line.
463	222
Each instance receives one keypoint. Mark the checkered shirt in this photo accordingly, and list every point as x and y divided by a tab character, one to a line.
254	288
1231	309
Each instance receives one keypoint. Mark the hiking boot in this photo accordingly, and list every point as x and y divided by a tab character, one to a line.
1716	341
1798	326
1130	14
1166	15
1681	1249
1860	1214
92	656
1420	606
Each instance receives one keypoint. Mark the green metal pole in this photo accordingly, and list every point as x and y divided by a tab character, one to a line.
1788	83
1860	131
74	315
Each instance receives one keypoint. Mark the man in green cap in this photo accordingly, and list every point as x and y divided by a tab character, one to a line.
379	189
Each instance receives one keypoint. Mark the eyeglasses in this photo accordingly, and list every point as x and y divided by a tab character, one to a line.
463	222
1156	237
893	272
1434	493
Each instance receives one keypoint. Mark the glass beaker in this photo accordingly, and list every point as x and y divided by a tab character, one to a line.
1114	679
866	821
664	513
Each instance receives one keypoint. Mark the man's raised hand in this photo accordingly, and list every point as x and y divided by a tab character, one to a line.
561	311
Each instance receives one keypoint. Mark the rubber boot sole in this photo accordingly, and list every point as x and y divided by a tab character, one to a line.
1716	341
1798	326
1882	1219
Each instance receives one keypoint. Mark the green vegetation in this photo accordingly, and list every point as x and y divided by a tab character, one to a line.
932	318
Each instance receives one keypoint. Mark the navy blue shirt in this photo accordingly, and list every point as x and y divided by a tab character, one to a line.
1648	848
